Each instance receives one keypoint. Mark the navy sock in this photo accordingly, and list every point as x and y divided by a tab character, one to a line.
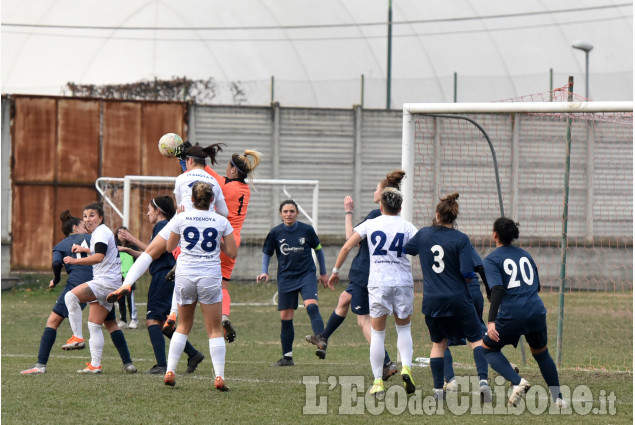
287	334
386	357
46	344
189	349
481	363
436	367
549	372
500	364
122	309
316	320
334	322
448	365
122	346
158	344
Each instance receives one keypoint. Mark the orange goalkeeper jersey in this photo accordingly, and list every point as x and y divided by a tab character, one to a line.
237	193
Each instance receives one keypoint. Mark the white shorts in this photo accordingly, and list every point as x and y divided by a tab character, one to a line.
387	300
101	288
204	289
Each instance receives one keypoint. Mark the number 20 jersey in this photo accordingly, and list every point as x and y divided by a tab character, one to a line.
387	235
201	233
514	268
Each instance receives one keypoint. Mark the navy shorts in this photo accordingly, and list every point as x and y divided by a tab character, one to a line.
455	327
510	332
477	299
60	305
359	299
308	289
159	296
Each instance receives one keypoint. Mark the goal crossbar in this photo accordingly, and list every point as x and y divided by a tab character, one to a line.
128	181
411	109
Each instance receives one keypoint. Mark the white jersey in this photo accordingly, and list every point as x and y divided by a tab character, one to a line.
201	233
387	235
110	268
183	189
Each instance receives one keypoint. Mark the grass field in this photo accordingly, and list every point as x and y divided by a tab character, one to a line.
598	353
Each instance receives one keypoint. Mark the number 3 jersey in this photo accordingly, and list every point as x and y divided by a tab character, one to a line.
446	256
514	268
387	235
201	233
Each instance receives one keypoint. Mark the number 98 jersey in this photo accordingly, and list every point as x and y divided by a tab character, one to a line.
201	233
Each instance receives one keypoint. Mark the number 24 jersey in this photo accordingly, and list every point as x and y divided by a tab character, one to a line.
387	235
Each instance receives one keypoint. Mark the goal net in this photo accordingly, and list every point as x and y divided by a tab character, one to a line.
563	170
126	201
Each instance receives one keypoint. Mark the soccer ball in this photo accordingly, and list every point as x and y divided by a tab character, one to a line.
168	144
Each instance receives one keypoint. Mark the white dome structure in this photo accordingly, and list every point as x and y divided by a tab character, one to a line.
317	52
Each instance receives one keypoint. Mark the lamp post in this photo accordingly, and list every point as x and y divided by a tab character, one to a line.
586	48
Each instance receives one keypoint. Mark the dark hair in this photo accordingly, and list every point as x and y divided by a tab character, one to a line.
243	164
391	200
506	229
288	202
165	205
448	208
202	195
97	206
393	179
198	154
119	242
68	221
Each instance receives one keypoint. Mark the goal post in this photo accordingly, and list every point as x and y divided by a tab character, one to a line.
584	223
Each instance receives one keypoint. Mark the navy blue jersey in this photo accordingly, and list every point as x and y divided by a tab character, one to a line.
515	270
166	260
292	246
445	255
77	274
477	262
358	273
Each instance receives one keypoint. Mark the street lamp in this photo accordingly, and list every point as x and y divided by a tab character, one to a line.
586	48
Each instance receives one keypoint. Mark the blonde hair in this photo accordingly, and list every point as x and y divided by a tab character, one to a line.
246	163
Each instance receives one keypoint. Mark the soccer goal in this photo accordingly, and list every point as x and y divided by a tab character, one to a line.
563	170
126	200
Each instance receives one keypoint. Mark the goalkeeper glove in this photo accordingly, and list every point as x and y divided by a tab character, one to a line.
179	152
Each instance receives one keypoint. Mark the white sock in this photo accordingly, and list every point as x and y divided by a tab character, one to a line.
96	343
74	314
377	352
177	344
404	344
139	267
174	307
217	353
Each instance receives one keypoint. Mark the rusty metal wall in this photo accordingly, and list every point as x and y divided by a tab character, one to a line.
60	146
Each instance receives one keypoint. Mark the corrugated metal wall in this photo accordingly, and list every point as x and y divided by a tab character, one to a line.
307	144
60	146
